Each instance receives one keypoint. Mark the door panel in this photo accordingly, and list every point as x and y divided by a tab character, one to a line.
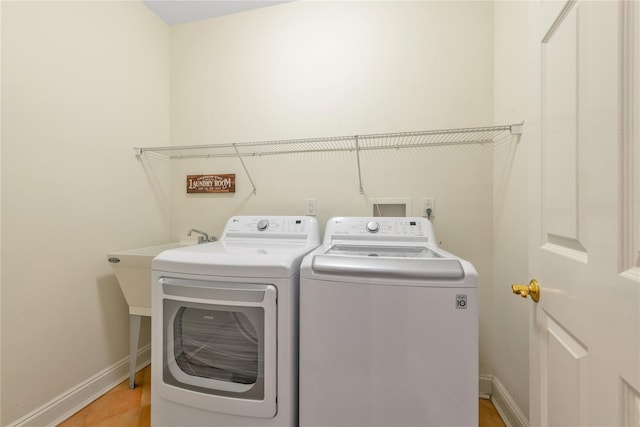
631	402
630	176
583	130
560	149
565	374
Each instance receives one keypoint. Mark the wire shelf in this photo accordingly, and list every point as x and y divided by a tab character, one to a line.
399	140
357	143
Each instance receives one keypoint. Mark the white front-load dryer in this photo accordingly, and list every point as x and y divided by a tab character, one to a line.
225	326
388	328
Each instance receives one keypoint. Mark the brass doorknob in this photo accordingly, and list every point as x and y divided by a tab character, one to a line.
532	289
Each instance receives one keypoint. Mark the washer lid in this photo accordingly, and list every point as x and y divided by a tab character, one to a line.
428	268
384	251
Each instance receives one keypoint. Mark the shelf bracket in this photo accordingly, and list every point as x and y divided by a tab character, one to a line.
245	168
358	159
516	129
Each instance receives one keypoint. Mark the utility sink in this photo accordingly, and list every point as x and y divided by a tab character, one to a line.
133	271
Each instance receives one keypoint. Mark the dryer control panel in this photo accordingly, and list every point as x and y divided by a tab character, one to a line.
303	228
380	229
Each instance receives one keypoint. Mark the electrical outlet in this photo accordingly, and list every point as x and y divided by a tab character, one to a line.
310	207
429	208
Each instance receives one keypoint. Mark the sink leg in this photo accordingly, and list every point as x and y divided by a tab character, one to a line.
134	335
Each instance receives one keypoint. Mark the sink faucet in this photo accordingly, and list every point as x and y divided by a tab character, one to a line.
204	238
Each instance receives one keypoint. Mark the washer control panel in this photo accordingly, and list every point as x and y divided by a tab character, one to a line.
285	227
380	228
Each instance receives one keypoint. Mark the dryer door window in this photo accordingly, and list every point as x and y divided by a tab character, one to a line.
222	344
216	349
219	345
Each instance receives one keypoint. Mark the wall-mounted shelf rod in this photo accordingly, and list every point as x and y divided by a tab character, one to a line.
357	143
398	140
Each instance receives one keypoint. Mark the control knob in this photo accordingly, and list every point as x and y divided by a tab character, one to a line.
263	224
373	227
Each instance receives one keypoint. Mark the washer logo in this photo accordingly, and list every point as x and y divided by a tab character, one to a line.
461	301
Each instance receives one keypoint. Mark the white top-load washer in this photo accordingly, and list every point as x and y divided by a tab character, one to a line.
388	328
225	326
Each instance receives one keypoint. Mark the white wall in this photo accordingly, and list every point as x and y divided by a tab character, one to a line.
82	83
509	322
313	69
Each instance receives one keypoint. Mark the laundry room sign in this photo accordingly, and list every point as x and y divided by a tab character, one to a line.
222	183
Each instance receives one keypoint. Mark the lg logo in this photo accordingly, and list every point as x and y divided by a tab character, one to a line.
461	301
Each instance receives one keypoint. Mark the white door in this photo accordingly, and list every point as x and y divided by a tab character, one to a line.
584	132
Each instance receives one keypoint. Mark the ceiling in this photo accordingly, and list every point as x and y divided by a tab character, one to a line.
180	11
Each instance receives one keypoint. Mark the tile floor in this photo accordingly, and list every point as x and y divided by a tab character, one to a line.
123	407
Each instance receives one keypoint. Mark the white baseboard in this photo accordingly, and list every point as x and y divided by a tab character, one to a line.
65	405
506	406
486	386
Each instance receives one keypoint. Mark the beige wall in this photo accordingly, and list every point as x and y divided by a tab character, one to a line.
510	319
73	106
313	69
82	83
